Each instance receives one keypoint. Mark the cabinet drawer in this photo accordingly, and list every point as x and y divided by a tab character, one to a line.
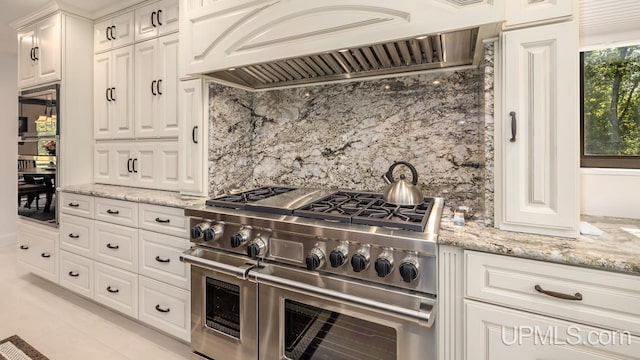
160	258
608	299
117	212
117	289
163	219
76	235
165	307
116	245
76	273
37	250
74	204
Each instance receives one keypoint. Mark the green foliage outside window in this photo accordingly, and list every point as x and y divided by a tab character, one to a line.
612	102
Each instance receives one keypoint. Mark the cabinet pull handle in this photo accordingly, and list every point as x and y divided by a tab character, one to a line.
514	126
113	291
45	255
108	31
161	309
113	32
576	297
153	86
158	17
74	205
158	259
72	274
129	165
24	247
162	221
32	56
74	236
113	212
134	166
35	53
113	90
153	15
158	87
193	134
113	247
107	94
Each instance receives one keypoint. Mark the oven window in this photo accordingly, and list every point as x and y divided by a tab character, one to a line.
223	307
314	333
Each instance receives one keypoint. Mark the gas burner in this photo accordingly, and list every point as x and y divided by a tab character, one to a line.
406	217
238	201
339	206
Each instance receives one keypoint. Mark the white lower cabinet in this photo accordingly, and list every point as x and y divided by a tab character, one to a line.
38	249
77	273
496	333
117	289
76	235
116	245
165	307
160	258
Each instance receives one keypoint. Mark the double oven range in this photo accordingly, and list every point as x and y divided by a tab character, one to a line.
284	273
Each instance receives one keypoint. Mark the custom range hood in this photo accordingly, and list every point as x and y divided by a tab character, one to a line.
426	52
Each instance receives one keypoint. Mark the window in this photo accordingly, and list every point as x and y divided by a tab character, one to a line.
610	87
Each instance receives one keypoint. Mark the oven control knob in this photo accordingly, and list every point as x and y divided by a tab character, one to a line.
337	258
257	248
359	262
383	267
408	271
213	233
240	237
199	229
315	259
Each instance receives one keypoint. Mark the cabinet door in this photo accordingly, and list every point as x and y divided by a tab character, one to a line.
192	134
123	30
146	96
101	38
522	12
121	118
169	16
123	164
166	111
540	163
147	22
103	164
26	65
102	105
167	165
48	50
495	333
146	165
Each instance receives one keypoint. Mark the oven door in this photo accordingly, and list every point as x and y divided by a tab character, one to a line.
305	316
223	306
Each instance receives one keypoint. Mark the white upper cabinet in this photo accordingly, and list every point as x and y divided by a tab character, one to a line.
40	52
156	84
156	19
217	35
540	156
193	137
521	12
113	33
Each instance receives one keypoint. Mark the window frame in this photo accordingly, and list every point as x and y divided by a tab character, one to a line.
600	161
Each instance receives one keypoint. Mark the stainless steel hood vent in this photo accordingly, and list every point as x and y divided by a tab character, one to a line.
398	57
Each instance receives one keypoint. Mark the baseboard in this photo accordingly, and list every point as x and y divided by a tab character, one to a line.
8	239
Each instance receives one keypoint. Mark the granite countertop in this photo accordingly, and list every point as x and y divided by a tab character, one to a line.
147	196
615	250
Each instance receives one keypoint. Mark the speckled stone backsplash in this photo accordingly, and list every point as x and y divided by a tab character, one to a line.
347	135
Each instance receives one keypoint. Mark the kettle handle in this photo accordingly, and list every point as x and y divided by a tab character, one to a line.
414	172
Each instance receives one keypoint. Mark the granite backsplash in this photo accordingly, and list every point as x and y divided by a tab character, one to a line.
346	135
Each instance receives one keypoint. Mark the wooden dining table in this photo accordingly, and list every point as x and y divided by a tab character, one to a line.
48	175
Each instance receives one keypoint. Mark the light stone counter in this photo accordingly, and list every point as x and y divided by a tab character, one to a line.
147	196
615	250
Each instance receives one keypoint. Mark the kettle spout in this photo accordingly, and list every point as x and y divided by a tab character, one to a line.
386	178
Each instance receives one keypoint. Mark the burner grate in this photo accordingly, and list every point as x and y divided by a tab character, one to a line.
238	201
339	206
406	217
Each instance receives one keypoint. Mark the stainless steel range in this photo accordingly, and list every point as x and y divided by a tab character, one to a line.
285	273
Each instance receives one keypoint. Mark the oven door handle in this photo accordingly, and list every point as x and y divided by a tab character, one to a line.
425	316
191	257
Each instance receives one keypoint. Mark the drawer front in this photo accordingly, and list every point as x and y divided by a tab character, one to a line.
76	235
117	289
116	245
607	299
160	258
74	204
37	249
163	219
117	212
165	307
76	273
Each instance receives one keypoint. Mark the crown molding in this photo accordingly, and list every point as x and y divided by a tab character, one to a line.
47	9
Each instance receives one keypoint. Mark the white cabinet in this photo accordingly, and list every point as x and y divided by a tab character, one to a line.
165	307
156	84
117	289
539	137
113	94
116	246
76	273
38	249
160	258
40	52
113	33
495	333
217	35
521	12
76	235
193	140
155	19
152	165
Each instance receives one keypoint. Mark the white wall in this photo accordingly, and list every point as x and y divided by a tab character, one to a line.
611	192
8	147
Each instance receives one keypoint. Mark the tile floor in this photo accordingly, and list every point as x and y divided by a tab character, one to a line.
65	326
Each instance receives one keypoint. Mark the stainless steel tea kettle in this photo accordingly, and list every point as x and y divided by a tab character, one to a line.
402	192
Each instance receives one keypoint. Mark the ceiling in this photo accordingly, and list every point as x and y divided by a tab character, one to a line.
15	9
